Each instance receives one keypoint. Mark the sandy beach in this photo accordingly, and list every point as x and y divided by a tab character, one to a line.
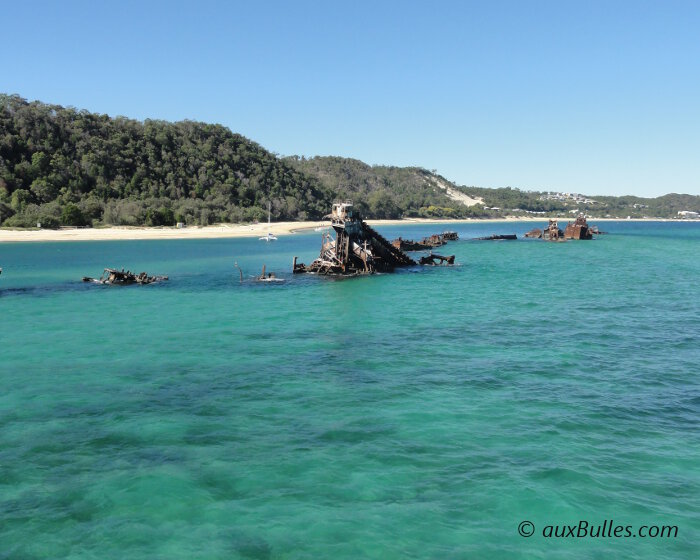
194	232
220	230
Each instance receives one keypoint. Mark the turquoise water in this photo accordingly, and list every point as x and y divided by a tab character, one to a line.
423	414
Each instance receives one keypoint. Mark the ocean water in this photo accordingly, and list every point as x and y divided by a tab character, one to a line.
423	414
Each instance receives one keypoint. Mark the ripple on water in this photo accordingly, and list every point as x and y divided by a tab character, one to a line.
412	415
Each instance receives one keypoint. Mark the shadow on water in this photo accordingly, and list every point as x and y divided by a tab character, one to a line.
48	290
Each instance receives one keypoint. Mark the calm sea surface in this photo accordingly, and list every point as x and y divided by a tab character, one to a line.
422	414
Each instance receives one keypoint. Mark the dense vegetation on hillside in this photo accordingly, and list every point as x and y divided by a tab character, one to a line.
61	166
412	191
384	192
666	206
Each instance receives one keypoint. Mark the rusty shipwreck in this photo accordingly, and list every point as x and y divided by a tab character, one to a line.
354	248
427	243
114	277
578	229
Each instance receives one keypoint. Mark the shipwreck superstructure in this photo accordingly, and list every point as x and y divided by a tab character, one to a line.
356	248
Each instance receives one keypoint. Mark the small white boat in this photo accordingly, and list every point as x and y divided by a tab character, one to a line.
269	236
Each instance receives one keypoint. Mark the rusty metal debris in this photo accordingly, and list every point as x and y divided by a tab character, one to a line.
116	277
356	249
496	237
410	245
553	233
534	233
270	277
434	259
579	229
436	240
298	268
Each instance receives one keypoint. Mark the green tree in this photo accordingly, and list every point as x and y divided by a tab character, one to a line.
6	211
40	163
161	217
43	190
73	216
382	205
19	200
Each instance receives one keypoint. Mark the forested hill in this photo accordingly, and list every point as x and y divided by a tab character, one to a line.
411	191
389	192
61	166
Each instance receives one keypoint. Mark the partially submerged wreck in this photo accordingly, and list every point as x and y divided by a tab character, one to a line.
433	259
270	277
578	229
552	232
114	277
422	245
436	240
356	249
496	237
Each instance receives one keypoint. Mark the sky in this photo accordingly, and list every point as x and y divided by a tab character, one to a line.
600	97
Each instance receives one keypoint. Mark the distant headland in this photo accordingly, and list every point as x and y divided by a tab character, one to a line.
60	166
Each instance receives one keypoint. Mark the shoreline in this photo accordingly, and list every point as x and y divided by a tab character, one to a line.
122	233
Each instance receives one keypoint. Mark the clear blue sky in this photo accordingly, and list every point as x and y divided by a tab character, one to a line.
599	97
